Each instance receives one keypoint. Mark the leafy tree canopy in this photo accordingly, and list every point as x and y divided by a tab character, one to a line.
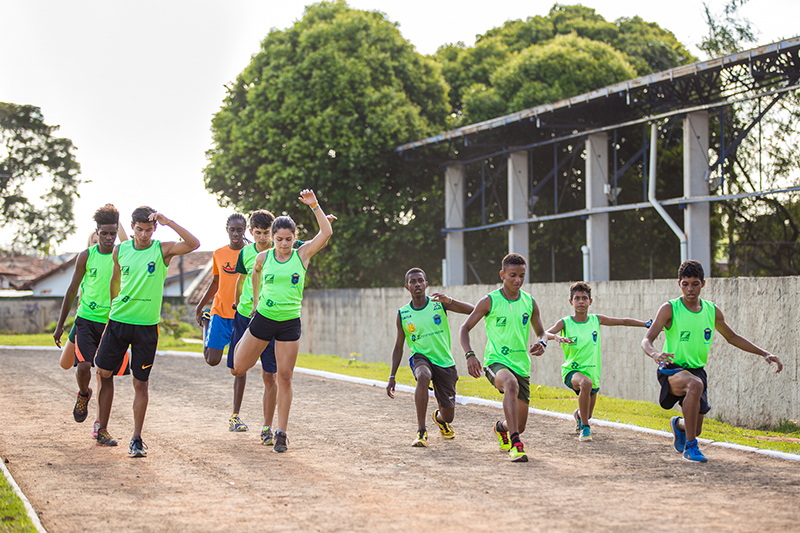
323	105
33	159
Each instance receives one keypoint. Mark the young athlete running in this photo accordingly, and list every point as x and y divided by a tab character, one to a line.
218	326
422	323
260	225
580	340
508	314
689	323
278	307
137	290
93	269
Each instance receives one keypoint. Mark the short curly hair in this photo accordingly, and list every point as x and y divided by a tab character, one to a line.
691	269
107	214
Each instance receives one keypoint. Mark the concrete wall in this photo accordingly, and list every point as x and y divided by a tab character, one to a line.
742	388
29	314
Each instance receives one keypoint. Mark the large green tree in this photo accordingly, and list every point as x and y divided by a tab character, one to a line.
322	105
33	161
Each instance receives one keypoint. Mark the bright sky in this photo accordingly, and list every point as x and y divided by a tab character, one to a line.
135	84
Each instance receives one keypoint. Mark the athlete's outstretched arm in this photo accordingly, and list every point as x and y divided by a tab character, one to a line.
69	297
452	304
740	342
483	308
613	321
397	356
553	333
310	248
663	319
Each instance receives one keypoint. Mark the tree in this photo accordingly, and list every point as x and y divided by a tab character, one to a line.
323	105
31	155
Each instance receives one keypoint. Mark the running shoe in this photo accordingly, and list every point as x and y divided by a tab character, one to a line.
502	437
137	448
235	424
578	424
104	439
693	453
678	436
267	437
281	442
95	429
80	411
444	427
586	434
517	453
421	440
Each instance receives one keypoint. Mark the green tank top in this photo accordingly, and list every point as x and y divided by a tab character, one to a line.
95	302
507	329
141	289
583	354
244	265
690	335
281	296
427	332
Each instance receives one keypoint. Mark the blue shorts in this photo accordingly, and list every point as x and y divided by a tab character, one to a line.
218	333
240	323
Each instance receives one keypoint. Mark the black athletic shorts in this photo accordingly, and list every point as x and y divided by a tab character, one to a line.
88	334
142	340
444	380
524	393
266	329
667	400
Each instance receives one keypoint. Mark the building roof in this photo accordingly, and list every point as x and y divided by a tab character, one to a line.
21	269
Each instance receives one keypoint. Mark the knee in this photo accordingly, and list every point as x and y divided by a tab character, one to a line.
511	387
695	387
269	379
238	372
284	378
423	376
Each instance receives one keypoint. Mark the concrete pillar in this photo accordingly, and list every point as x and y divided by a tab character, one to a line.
696	217
456	273
597	224
518	235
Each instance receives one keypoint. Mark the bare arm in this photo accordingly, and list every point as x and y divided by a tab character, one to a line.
208	295
451	304
663	319
121	235
310	248
553	333
612	321
740	342
538	328
256	277
481	310
239	287
172	248
69	297
397	356
114	286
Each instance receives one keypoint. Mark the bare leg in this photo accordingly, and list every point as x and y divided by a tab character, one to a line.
83	376
67	356
247	352
507	384
212	355
270	397
141	397
239	383
105	396
583	384
685	383
423	375
286	357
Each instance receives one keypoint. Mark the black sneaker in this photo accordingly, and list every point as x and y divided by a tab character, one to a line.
137	448
280	442
81	407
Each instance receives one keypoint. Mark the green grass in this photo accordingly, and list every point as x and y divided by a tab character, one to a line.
784	437
13	518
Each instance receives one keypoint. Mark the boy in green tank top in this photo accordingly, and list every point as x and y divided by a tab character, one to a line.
689	323
508	314
422	323
93	269
581	344
137	289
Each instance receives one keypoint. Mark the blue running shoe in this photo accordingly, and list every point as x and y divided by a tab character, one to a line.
678	436
692	453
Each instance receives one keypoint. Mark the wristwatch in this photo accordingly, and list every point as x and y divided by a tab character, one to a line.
543	343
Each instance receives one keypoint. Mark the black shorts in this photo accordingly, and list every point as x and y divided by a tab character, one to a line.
88	334
142	340
667	400
444	380
240	324
524	393
266	329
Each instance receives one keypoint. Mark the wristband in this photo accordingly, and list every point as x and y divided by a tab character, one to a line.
648	323
391	377
469	354
543	343
316	206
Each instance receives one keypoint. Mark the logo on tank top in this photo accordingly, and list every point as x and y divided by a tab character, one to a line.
92	305
413	338
500	322
270	303
411	327
269	278
685	335
92	272
125	270
707	333
295	278
151	267
594	336
126	299
437	306
505	350
437	319
525	318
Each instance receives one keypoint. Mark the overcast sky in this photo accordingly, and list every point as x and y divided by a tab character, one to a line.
135	84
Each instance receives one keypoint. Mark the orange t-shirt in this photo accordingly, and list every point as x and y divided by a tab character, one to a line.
225	268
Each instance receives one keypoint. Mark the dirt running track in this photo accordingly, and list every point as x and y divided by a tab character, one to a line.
350	466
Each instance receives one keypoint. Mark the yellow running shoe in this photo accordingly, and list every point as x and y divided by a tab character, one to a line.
517	454
235	424
502	436
447	430
422	439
